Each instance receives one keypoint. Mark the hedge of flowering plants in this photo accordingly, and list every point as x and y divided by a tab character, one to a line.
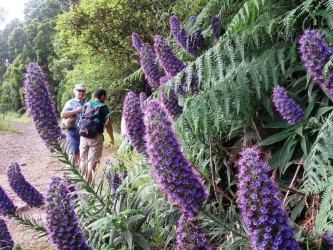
232	139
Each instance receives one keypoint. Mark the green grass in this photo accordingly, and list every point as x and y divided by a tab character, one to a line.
16	117
5	126
5	121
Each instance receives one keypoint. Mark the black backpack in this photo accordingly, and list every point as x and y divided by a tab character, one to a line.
90	122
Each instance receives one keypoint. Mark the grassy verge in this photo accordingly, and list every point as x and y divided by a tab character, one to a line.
5	121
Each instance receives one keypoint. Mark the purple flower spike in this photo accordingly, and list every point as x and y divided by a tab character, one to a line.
143	98
169	100
191	20
133	118
172	171
149	66
171	64
290	111
174	26
6	242
179	34
62	223
7	206
137	42
259	201
115	182
217	29
40	105
22	187
315	53
170	103
328	239
189	235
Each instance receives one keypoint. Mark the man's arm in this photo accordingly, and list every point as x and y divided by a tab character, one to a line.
69	113
109	129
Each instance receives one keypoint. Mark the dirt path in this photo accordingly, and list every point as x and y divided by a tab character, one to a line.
38	165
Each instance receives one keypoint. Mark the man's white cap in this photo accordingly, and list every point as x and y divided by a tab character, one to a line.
80	86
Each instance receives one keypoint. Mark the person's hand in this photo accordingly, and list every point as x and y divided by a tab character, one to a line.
78	109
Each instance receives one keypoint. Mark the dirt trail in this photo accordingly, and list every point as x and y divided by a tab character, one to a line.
38	165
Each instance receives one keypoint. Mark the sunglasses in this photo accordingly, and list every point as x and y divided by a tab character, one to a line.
81	90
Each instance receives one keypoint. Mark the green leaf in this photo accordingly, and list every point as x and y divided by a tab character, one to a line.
134	218
141	241
322	111
279	124
129	239
277	137
287	152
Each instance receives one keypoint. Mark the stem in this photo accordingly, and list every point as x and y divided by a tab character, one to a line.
224	225
212	168
218	190
292	182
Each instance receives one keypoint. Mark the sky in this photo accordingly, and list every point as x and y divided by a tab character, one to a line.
13	9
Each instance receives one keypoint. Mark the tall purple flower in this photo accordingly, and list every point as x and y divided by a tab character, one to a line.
170	63
174	26
7	206
189	235
22	187
217	29
171	169
116	180
62	223
259	201
315	53
133	118
6	242
137	42
189	42
149	66
169	101
289	110
40	105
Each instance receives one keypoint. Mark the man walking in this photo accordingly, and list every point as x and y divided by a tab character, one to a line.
91	148
73	107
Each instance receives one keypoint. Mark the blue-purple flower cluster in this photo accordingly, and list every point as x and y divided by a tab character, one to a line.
288	109
149	66
189	235
7	206
133	118
22	187
171	169
170	63
6	242
259	201
217	29
169	100
179	34
137	42
189	43
315	53
40	105
115	182
62	222
328	240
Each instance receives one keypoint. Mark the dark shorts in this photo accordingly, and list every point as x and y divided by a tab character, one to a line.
73	140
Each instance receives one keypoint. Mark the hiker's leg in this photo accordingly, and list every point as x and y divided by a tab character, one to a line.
95	154
73	139
84	154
